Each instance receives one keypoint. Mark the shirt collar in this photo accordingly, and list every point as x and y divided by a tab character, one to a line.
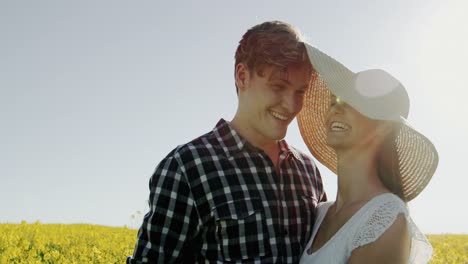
286	149
232	142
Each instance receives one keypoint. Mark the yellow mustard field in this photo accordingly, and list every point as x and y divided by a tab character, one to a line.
59	243
449	249
83	243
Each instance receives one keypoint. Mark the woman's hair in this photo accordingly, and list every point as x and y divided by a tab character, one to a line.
388	163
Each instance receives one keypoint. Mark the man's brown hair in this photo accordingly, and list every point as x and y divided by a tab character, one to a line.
272	43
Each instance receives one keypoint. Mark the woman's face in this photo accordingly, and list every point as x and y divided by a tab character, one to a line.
348	129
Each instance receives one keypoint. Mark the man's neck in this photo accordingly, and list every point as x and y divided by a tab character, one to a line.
270	147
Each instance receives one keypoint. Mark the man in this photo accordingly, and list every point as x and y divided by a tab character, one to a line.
240	193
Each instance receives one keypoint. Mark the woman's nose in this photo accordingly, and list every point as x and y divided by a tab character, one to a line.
336	108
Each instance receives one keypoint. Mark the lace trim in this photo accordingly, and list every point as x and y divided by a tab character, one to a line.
381	218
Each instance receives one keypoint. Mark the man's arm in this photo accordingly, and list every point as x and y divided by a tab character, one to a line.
170	224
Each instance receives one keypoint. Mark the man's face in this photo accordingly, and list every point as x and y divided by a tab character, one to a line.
271	100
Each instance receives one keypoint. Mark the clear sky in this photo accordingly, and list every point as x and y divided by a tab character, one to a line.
93	94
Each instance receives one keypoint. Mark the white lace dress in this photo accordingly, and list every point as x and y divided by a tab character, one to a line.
364	227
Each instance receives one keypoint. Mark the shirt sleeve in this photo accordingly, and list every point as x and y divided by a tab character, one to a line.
168	229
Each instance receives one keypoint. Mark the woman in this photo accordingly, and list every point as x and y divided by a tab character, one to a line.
355	124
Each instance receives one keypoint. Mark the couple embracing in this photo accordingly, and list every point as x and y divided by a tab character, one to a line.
241	194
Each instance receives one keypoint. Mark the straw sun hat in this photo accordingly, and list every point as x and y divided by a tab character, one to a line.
377	95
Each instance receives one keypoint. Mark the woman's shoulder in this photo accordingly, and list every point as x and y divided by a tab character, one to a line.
387	203
379	214
393	244
387	212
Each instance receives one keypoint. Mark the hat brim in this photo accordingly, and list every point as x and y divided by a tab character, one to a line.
418	158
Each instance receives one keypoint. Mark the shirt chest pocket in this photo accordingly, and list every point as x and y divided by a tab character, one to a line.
241	230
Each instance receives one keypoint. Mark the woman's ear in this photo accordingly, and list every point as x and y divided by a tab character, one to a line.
242	76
